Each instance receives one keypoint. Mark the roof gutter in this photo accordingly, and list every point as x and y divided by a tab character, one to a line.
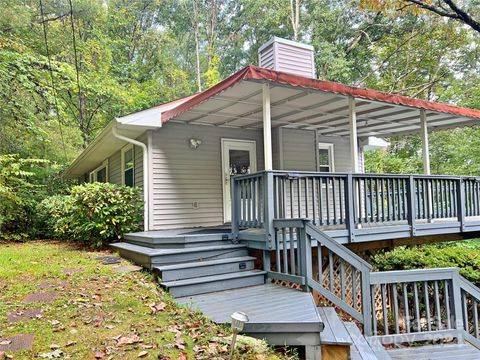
146	204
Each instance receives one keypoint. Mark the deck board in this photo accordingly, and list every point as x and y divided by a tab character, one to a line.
440	352
264	304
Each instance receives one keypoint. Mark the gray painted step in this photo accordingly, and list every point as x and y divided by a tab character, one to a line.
208	284
334	332
360	348
167	240
205	268
437	352
149	258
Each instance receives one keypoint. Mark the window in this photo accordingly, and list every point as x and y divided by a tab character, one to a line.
128	166
325	157
100	174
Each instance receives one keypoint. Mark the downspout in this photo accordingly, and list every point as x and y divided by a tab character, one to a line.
145	173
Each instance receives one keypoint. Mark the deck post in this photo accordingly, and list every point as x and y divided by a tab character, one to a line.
367	310
411	204
304	244
425	145
350	208
457	304
236	208
267	127
268	209
353	134
461	203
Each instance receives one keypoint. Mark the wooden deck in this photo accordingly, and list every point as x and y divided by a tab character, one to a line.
270	311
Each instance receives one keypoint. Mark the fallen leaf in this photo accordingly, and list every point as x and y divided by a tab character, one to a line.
52	355
100	354
130	339
146	346
70	343
5	342
182	356
54	346
142	354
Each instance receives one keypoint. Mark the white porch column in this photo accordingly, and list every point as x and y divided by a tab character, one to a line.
267	128
353	134
425	146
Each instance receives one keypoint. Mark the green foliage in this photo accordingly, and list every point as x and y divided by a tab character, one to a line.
464	256
21	185
95	213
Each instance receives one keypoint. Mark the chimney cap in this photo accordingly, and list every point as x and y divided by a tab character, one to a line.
287	42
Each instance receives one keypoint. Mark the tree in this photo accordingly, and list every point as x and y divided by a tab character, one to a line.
447	8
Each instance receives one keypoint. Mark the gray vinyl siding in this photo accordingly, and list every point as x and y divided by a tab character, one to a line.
299	150
138	161
276	148
182	176
115	165
115	169
341	151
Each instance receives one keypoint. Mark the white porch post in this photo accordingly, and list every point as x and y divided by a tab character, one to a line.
353	134
267	128
425	146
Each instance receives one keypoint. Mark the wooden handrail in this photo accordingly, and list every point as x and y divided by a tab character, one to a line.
347	201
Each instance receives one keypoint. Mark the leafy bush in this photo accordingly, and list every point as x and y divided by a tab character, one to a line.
95	213
21	186
465	256
52	216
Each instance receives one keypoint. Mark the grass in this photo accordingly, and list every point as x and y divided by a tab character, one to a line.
97	309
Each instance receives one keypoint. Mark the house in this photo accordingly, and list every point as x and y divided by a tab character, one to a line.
261	177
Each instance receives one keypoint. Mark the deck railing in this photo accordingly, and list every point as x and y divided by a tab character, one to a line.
305	256
393	306
351	201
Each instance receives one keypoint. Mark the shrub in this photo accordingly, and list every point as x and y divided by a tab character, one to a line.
20	189
53	216
95	213
464	256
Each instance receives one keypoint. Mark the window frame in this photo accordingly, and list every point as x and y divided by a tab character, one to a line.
331	156
92	175
126	148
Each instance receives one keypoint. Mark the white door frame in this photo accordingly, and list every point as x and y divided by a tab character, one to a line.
234	144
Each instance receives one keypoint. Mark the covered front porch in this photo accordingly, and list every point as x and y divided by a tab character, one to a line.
313	136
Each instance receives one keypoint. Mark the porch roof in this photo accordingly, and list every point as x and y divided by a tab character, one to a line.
304	103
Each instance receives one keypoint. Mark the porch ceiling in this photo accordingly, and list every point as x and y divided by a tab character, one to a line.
240	106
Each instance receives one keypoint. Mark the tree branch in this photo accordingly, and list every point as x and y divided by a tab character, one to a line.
456	13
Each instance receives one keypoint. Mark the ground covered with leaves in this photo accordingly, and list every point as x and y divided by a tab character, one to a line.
91	311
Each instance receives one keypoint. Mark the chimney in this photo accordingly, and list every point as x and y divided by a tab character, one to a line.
287	56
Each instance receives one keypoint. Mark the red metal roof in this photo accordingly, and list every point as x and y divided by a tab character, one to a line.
258	73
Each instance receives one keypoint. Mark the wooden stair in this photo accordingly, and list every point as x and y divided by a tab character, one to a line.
190	263
344	340
436	352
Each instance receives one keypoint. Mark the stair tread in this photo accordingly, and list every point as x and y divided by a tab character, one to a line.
334	331
360	348
154	252
190	265
212	278
439	351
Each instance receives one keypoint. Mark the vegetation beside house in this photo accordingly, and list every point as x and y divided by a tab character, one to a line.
100	313
464	255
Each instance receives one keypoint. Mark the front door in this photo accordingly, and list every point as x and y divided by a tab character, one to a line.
238	157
